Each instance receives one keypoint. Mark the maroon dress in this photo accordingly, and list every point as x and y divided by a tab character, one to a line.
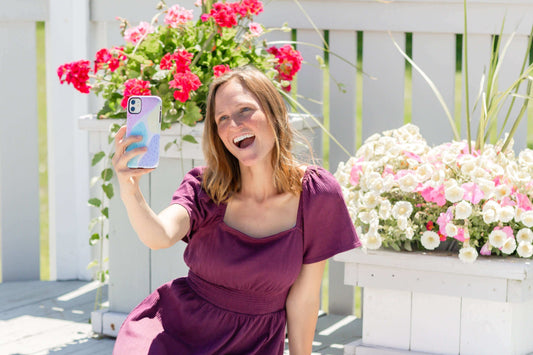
233	300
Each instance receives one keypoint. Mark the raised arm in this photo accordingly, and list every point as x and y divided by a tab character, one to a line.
302	307
155	231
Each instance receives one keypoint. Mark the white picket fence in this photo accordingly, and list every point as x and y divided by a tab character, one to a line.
76	29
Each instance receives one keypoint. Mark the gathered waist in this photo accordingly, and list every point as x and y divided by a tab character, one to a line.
240	301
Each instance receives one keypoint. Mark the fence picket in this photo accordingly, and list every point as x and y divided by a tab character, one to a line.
383	84
435	55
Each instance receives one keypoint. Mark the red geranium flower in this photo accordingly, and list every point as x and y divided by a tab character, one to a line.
181	59
184	83
220	69
77	74
224	14
113	58
248	7
136	87
289	62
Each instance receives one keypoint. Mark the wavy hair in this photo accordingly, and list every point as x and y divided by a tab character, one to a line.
222	177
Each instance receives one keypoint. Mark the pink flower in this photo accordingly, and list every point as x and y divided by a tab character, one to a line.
435	195
255	29
472	192
219	70
355	173
485	250
135	87
184	83
77	74
524	202
135	34
460	236
443	220
177	16
412	156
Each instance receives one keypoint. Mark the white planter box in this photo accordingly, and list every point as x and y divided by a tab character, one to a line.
135	270
428	303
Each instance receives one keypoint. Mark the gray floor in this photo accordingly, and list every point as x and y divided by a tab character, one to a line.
44	317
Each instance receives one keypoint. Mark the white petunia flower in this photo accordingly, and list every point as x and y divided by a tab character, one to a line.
451	230
468	254
407	183
497	238
385	209
509	246
402	223
371	199
524	250
367	216
409	233
463	210
526	158
506	214
490	212
424	172
454	193
430	240
527	218
487	186
524	235
501	191
402	209
372	241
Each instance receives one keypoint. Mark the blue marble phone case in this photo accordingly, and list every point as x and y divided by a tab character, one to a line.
144	119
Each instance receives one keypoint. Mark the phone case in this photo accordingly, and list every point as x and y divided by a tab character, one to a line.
144	119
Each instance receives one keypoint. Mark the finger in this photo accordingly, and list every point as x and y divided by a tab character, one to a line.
120	134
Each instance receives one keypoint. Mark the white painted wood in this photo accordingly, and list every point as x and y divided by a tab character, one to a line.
434	323
435	55
485	307
387	318
440	16
67	146
19	176
510	70
383	86
23	10
342	105
309	79
342	127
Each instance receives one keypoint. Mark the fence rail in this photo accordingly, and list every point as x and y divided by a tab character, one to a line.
372	102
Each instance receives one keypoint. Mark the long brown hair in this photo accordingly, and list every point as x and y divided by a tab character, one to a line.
222	177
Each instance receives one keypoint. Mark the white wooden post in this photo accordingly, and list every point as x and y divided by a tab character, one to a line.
19	176
68	179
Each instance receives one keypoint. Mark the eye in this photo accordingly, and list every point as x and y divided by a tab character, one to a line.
245	109
221	118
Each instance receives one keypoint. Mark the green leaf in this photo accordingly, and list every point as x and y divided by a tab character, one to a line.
94	238
105	212
395	247
108	190
170	144
94	222
101	276
192	114
107	174
407	246
95	202
97	157
92	264
189	138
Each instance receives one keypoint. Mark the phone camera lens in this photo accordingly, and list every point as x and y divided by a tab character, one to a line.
133	102
132	109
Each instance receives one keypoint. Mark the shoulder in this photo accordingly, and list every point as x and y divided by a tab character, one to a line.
319	181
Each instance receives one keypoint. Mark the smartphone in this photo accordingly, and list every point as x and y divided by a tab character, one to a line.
144	119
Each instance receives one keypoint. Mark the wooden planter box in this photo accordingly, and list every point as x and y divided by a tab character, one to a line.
135	270
427	303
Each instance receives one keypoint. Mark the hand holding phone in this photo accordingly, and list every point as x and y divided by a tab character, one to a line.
144	119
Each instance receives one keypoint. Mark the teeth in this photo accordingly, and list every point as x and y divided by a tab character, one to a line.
241	138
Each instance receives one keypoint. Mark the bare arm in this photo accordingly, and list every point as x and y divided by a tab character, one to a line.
302	307
155	231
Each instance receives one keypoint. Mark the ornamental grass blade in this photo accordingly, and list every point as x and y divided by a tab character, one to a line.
431	85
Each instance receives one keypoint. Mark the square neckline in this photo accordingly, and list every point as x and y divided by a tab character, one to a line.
296	227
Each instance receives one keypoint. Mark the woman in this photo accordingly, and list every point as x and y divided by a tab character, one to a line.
259	228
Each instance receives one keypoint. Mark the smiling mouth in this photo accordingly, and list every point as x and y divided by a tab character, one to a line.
244	141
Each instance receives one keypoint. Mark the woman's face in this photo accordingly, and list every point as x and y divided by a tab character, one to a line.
242	124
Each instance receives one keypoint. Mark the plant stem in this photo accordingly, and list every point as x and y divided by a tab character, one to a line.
467	102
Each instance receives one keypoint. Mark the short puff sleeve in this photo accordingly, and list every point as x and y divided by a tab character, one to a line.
195	200
327	226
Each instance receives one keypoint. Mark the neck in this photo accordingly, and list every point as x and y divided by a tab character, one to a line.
257	182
